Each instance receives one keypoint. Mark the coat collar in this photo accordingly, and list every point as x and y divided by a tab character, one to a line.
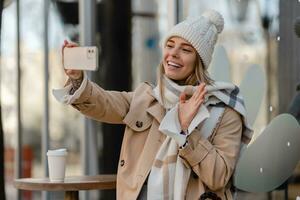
155	109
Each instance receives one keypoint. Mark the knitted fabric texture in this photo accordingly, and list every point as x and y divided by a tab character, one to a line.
201	31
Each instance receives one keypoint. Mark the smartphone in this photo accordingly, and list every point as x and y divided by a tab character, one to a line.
81	58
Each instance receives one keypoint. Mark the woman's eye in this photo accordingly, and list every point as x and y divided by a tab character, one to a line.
169	46
187	50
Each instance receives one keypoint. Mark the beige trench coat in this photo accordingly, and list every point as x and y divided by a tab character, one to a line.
212	160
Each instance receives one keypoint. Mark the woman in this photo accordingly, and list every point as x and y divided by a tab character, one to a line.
183	137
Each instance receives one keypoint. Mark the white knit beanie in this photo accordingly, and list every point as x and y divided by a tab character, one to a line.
202	32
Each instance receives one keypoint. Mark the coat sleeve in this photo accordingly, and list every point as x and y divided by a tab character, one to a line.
214	161
103	105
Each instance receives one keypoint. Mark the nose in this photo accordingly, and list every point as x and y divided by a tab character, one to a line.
174	52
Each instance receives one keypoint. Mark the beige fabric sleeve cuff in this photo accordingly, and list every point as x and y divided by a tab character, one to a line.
63	95
195	154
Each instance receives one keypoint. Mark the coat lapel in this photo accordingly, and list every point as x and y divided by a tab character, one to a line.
155	109
155	138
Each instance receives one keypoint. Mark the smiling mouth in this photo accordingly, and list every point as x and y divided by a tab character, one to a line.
172	64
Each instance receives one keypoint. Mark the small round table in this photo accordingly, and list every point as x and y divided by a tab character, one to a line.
71	185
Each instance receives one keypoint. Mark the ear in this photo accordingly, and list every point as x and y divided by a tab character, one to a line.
253	87
271	158
219	68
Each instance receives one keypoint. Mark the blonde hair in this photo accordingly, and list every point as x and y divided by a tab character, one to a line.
198	75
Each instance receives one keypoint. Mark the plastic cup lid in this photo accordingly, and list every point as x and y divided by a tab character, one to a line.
57	152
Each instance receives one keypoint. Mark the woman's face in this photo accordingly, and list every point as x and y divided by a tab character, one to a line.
179	58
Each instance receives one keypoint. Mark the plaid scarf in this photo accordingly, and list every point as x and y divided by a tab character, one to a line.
169	177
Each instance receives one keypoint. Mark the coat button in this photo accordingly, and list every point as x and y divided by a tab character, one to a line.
139	124
122	163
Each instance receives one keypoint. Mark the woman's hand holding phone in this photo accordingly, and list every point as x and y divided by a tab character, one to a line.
71	73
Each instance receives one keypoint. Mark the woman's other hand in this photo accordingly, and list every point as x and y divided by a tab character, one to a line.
189	108
72	74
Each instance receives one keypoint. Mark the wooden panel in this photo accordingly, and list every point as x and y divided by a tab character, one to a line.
288	54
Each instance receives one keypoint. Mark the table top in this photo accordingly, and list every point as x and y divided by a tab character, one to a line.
71	183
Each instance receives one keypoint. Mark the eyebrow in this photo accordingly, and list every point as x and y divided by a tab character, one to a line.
185	44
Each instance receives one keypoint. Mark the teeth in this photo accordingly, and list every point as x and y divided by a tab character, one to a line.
174	64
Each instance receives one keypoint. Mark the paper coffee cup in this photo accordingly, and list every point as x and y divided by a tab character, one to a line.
57	164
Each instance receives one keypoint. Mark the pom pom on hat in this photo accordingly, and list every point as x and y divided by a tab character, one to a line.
202	32
216	18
